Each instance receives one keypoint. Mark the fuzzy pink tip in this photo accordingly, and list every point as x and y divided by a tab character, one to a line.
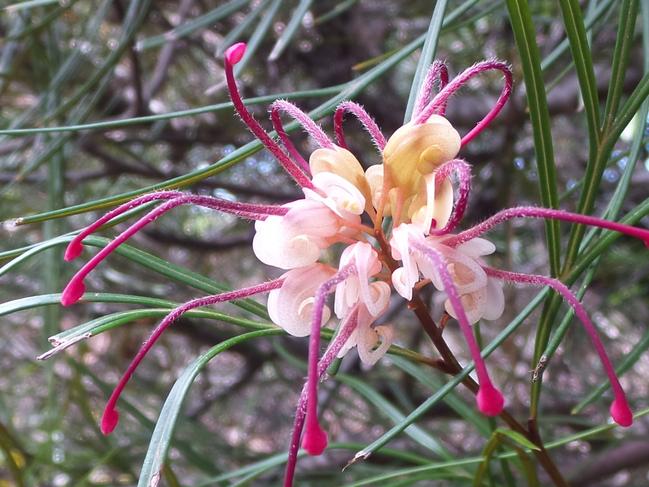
73	250
315	440
72	292
109	421
490	400
235	52
621	412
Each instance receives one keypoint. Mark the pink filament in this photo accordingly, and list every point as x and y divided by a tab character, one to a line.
463	172
551	214
110	416
312	128
346	329
232	56
620	410
244	210
75	288
439	102
437	71
365	118
315	439
490	400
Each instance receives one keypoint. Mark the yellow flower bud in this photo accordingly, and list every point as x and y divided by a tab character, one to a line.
414	151
343	163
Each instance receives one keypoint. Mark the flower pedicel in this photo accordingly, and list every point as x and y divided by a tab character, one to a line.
414	187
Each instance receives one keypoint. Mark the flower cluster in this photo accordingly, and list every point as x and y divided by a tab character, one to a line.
419	193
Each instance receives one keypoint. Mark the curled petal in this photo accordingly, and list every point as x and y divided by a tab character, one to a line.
403	282
343	163
295	239
435	207
405	277
495	305
372	342
468	276
368	351
490	400
474	304
273	245
374	178
291	306
477	247
342	197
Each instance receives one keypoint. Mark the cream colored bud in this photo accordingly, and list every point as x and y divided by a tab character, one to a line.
343	163
414	151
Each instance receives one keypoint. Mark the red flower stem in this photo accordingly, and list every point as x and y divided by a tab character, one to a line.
463	172
490	400
363	117
312	128
75	288
233	56
110	416
244	210
460	80
315	439
550	214
437	71
619	409
347	327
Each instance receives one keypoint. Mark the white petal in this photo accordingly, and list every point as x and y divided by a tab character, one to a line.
368	352
273	245
473	304
476	247
495	305
291	306
342	197
466	272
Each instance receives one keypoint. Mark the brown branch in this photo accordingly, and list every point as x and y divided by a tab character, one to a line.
631	454
139	107
166	56
198	244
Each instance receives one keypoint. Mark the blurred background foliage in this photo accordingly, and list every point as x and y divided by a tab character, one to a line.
102	98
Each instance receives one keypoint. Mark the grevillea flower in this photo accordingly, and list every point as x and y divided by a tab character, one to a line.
419	191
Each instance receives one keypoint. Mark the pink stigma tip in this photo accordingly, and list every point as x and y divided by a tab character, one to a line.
315	440
73	250
621	413
234	53
109	421
73	292
646	243
490	400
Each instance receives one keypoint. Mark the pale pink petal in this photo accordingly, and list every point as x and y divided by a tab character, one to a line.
341	196
474	304
495	305
372	342
468	276
403	282
275	246
290	306
296	239
405	277
312	218
477	247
